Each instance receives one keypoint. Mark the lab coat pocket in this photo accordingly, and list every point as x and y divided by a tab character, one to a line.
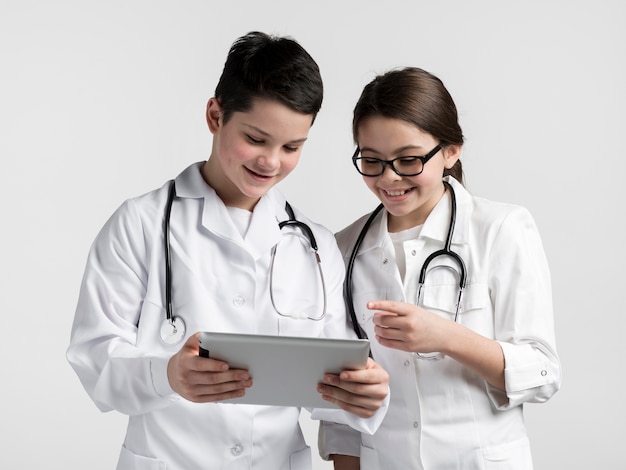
442	299
513	455
297	286
131	461
365	315
300	327
301	460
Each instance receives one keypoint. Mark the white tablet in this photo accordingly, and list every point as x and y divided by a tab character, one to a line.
285	370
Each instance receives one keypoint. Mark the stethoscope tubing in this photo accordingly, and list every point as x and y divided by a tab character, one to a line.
168	256
446	251
293	222
347	286
173	328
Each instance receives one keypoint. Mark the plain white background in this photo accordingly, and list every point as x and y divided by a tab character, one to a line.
101	101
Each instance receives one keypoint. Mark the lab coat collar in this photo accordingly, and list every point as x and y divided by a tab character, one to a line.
436	225
191	184
376	234
263	232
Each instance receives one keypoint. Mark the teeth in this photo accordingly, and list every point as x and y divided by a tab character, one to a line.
396	193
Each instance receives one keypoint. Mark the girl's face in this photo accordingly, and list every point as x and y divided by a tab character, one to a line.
254	150
408	199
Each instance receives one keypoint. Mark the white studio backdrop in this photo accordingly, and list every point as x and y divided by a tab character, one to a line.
101	101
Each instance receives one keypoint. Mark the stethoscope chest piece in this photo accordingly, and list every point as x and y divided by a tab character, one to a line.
172	330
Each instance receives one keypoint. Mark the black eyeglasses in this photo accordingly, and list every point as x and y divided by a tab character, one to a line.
402	166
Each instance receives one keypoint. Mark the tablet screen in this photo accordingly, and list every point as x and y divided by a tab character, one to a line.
285	370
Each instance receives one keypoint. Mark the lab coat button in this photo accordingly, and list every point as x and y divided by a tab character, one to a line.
239	301
416	424
236	449
407	363
385	261
544	373
413	252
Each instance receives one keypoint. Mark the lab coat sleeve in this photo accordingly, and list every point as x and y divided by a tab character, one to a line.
338	439
365	425
103	352
524	324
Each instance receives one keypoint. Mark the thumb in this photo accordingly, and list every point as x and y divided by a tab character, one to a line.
192	343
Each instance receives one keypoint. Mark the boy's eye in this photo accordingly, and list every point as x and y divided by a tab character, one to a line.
253	140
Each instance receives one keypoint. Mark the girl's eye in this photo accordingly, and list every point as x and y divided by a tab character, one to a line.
408	161
291	149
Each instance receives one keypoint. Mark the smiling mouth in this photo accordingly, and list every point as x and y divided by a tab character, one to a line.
258	175
397	192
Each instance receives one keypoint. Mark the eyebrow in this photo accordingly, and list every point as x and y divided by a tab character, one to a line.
396	151
267	134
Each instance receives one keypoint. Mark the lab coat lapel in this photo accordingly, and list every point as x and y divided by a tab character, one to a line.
377	246
264	231
216	219
375	236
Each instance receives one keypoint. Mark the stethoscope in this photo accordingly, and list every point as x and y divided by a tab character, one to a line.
173	326
445	251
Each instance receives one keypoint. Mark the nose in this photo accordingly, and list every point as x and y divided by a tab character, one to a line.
389	173
269	158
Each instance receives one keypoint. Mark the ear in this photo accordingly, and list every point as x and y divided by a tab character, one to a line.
451	154
213	115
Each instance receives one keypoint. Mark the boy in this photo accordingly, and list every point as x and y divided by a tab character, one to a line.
223	226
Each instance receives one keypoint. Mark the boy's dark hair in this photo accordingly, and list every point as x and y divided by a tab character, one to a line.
263	66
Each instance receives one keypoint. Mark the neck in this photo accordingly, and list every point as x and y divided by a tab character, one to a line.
224	188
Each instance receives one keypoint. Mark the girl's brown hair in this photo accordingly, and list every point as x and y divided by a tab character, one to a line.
417	97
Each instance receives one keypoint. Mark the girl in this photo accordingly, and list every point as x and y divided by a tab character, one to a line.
471	339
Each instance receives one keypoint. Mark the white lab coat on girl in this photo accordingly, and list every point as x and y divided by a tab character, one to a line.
220	283
442	415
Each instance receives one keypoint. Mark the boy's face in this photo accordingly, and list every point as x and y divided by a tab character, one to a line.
254	150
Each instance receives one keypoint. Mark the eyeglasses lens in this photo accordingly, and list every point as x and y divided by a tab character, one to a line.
404	166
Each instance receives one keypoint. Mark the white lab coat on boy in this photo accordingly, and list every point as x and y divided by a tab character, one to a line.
220	283
442	415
